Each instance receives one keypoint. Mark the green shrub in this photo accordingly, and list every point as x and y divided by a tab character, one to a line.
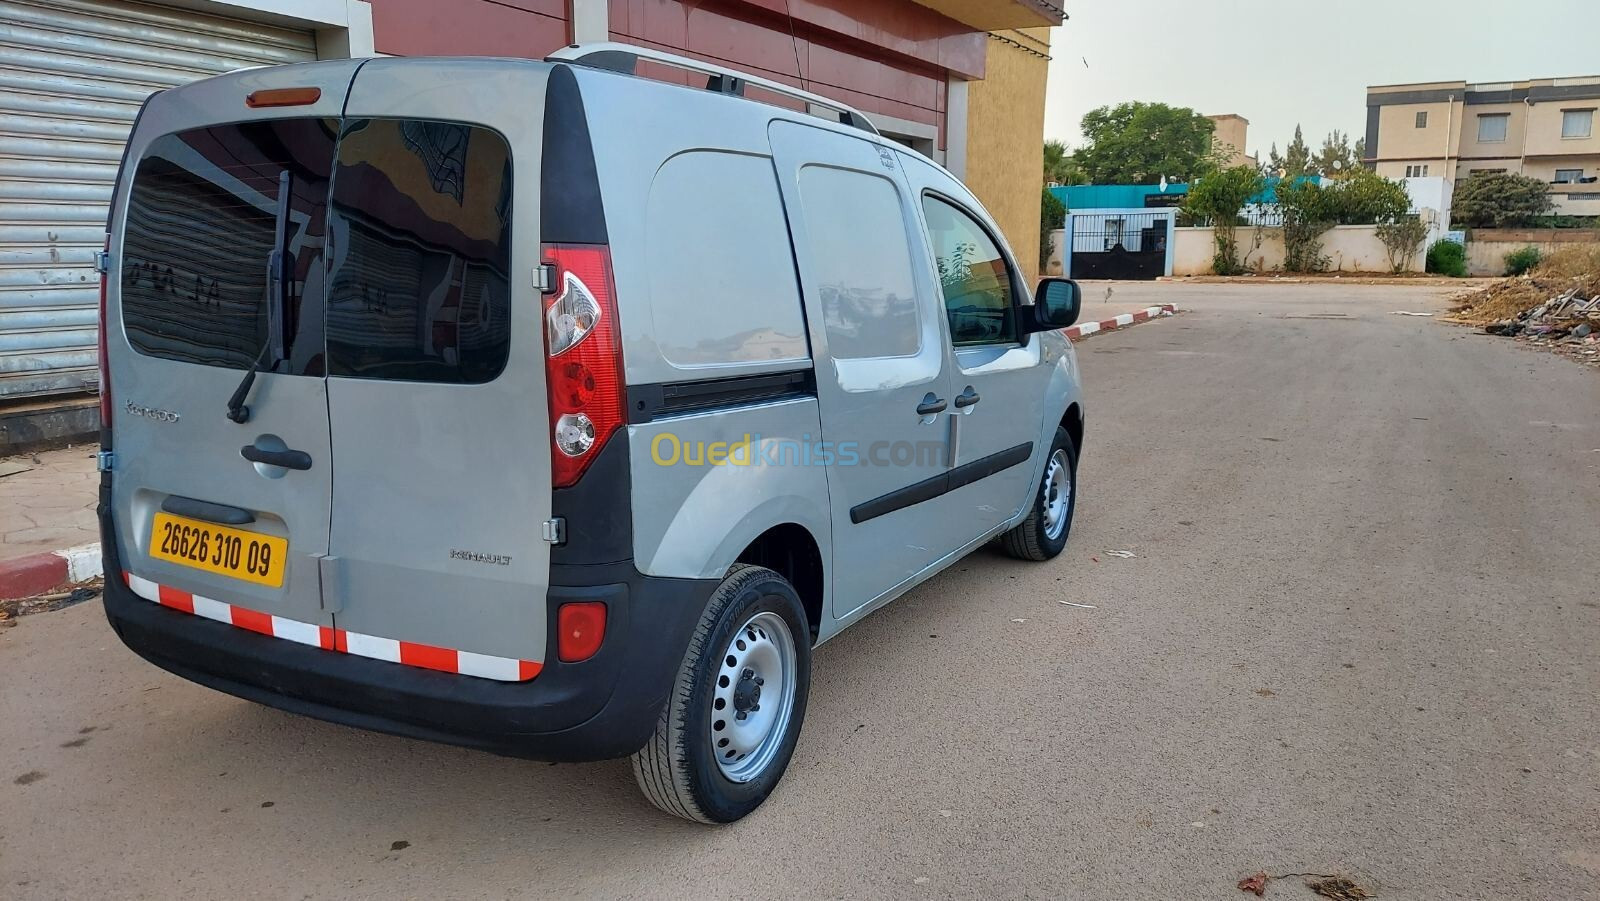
1052	215
1448	258
1521	260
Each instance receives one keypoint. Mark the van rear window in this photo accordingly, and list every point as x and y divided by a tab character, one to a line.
199	232
416	237
420	287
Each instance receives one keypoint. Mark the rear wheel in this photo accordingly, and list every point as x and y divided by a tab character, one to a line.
1043	533
727	732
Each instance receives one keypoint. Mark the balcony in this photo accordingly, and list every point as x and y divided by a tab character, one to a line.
988	15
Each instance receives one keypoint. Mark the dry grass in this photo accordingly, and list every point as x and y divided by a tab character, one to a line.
1572	261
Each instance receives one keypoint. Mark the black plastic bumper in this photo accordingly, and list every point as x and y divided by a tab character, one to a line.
601	708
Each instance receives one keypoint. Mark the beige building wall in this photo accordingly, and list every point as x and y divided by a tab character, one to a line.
1005	138
1232	137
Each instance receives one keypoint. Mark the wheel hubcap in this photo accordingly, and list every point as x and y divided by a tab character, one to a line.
1057	494
754	697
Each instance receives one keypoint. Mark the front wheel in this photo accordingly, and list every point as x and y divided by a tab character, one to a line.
726	734
1043	533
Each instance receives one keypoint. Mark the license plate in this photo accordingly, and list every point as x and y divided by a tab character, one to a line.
235	553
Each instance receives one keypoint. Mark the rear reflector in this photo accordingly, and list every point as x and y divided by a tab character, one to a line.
283	97
582	628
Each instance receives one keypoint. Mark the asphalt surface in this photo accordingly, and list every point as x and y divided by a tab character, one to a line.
1359	637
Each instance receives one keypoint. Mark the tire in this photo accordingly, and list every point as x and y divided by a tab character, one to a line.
1039	537
690	767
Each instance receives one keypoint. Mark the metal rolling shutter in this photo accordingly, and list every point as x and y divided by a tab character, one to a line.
72	76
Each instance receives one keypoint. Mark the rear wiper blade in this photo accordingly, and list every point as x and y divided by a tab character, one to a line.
279	277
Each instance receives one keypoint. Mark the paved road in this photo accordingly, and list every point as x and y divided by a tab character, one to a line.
1359	637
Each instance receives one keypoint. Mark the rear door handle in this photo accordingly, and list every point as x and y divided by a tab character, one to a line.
288	459
967	398
930	405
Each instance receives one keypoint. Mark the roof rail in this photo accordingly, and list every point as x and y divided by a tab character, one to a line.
619	57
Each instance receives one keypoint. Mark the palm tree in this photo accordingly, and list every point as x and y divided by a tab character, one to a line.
1059	166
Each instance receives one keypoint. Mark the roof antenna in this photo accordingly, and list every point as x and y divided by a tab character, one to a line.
795	43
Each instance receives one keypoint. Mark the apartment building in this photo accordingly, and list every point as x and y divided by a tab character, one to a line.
1543	127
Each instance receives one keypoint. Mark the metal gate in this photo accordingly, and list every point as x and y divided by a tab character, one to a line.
1118	244
72	76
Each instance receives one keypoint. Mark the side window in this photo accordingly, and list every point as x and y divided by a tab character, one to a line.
718	242
973	275
421	221
862	262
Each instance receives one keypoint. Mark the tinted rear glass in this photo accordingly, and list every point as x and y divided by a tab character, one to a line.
199	231
422	234
416	248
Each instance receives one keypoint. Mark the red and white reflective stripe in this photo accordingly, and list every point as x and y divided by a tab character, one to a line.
449	660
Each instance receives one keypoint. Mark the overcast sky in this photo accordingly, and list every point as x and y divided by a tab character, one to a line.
1276	65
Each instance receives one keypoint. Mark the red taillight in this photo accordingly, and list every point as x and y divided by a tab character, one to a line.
582	628
583	358
100	344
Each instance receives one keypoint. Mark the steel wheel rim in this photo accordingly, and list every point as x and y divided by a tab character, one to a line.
1057	495
756	678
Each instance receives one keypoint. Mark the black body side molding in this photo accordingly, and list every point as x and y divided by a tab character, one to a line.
943	483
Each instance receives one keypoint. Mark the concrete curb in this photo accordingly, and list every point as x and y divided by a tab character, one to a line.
26	577
36	574
1079	332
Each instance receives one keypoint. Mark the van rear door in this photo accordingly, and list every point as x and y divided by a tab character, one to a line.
441	467
217	270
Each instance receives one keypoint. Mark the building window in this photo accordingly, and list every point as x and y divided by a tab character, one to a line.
1567	176
1487	172
1422	119
1492	128
1577	123
1417	171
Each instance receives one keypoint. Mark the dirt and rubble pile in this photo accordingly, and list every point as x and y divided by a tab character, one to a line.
1532	300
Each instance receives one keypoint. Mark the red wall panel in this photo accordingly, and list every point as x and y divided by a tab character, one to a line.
527	28
877	56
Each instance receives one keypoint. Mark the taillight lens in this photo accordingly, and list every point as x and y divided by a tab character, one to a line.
582	628
100	343
583	358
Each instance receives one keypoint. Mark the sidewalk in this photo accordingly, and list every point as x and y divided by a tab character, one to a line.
48	531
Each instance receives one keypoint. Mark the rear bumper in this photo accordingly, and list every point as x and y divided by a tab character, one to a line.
604	707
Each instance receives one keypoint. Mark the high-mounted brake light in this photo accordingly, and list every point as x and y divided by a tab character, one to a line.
103	263
583	362
283	97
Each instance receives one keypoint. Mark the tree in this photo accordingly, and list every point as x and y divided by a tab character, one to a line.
1296	160
1219	197
1059	166
1403	238
1500	200
1337	158
1139	143
1309	210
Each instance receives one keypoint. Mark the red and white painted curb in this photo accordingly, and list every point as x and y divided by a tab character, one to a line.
36	574
1079	332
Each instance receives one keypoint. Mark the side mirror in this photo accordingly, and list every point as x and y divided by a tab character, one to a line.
1055	304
